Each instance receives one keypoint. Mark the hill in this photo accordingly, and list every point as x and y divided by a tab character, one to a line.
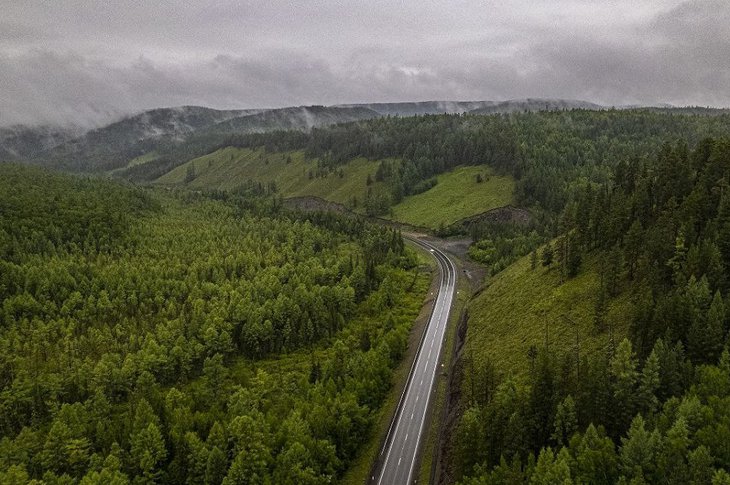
476	107
20	142
642	257
165	132
535	104
457	194
290	172
520	305
422	107
112	146
300	118
169	337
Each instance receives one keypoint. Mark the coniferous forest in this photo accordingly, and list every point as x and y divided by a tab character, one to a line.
654	407
158	334
154	337
341	242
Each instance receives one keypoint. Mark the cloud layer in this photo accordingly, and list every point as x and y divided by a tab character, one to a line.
87	63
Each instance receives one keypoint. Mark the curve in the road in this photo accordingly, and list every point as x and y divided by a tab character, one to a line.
400	451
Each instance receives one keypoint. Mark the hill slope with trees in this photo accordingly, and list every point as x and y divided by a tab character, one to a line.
190	338
653	407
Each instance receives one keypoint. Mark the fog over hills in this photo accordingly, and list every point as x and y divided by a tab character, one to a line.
20	142
113	146
137	134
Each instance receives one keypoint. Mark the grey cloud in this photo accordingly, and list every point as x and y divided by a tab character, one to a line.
67	64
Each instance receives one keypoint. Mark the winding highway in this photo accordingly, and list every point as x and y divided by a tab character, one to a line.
399	455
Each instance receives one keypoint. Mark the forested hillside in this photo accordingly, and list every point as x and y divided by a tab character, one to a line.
175	135
651	408
543	157
171	335
548	153
156	337
461	193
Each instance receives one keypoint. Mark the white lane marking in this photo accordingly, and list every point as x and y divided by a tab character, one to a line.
442	298
406	437
428	396
407	394
412	416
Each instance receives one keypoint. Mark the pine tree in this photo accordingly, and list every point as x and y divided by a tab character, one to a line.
566	422
217	438
700	465
541	404
148	452
54	455
723	228
705	338
552	469
649	384
216	467
639	451
624	375
595	457
633	243
672	462
574	257
547	255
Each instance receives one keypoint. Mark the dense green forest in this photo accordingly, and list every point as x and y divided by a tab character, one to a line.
547	152
650	409
551	155
171	336
162	337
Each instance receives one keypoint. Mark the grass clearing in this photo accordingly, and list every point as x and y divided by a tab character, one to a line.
230	167
520	304
147	157
456	195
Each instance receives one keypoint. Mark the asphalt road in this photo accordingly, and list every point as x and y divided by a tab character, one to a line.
398	457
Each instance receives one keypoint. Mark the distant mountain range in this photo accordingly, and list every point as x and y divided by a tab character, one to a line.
123	142
21	142
476	107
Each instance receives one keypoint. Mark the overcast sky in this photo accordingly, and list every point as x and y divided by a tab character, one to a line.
73	61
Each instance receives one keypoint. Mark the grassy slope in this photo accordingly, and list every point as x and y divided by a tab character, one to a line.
457	195
230	167
147	157
511	314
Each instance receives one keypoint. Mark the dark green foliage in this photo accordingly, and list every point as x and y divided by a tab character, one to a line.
504	244
657	231
133	324
547	255
46	214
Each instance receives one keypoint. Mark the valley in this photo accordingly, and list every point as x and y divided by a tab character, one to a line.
358	243
225	329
